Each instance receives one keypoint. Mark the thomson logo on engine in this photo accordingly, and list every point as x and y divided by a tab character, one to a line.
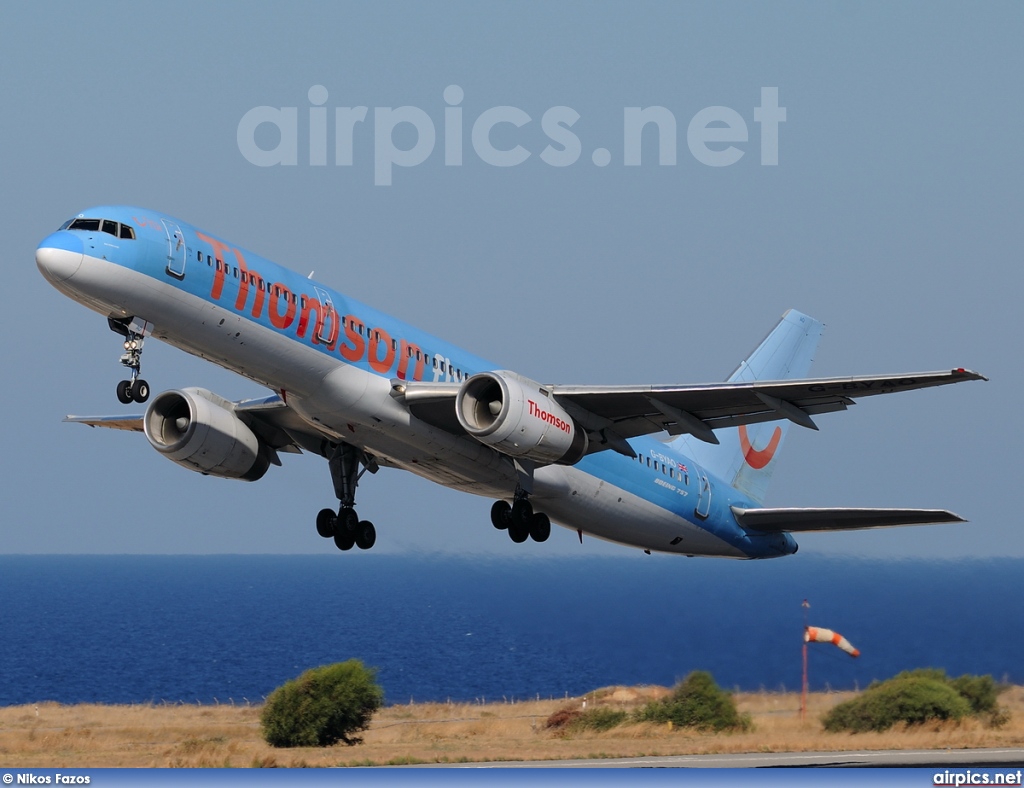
549	418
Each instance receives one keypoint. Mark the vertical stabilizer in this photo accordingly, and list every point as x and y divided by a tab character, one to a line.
746	455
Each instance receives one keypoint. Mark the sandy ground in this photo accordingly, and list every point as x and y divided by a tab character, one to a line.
51	735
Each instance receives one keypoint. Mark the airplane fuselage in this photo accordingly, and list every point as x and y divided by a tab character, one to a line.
335	362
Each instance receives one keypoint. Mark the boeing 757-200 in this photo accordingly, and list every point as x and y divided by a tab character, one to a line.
674	468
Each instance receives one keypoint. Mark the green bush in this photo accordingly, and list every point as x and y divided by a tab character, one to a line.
323	706
980	691
911	697
697	702
600	718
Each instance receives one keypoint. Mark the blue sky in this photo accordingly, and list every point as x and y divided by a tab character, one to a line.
892	216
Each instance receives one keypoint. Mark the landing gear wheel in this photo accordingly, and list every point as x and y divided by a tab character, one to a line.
344	540
124	392
540	527
326	523
501	515
518	532
348	521
522	513
366	535
140	390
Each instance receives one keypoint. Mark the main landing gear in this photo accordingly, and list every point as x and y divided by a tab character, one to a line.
136	389
519	519
345	527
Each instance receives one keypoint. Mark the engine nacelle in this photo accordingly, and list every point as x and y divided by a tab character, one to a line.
200	431
517	417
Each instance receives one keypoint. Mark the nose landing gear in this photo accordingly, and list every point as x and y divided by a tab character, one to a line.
134	333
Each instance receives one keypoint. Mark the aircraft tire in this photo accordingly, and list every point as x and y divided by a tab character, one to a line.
522	513
348	521
124	392
540	527
366	535
344	540
501	515
518	532
140	390
326	523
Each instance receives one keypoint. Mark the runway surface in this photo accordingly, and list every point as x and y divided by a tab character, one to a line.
1000	758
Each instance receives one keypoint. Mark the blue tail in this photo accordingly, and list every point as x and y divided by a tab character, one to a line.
746	455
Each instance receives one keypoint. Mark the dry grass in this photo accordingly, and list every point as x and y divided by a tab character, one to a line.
51	735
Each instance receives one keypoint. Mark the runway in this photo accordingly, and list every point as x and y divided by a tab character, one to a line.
996	758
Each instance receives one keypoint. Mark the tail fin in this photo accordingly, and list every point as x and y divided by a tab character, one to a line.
746	455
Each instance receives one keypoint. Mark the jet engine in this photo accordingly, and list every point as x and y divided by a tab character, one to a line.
518	417
200	431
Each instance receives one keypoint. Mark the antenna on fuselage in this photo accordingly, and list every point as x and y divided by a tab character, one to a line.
311	274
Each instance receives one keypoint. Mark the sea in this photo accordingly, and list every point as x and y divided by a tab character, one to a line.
230	628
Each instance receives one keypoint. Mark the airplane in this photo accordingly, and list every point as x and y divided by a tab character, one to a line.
678	469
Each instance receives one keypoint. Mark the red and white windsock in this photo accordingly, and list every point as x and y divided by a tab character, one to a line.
822	635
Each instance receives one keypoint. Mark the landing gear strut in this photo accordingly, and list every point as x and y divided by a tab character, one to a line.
347	464
519	519
136	389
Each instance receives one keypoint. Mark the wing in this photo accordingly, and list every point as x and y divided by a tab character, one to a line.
779	520
270	419
612	414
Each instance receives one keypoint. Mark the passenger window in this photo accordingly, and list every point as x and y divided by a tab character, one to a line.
199	256
235	271
110	227
303	299
394	344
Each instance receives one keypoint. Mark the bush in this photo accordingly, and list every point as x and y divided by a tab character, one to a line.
323	706
697	702
911	697
598	718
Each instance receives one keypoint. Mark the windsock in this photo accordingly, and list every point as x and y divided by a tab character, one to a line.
821	635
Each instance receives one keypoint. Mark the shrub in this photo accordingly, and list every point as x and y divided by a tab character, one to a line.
323	706
980	692
697	702
598	718
911	698
562	718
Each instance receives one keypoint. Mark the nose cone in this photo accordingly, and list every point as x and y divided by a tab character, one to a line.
59	256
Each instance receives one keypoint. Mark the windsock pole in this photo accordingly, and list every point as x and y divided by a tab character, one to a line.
803	685
803	692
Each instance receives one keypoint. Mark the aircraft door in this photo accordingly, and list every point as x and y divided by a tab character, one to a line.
703	507
175	250
323	333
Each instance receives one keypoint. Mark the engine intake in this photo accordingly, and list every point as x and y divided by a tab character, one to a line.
515	416
200	431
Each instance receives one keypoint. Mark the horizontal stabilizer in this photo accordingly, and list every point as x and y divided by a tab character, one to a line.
798	519
131	423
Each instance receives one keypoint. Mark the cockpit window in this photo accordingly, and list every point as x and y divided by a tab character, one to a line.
108	226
